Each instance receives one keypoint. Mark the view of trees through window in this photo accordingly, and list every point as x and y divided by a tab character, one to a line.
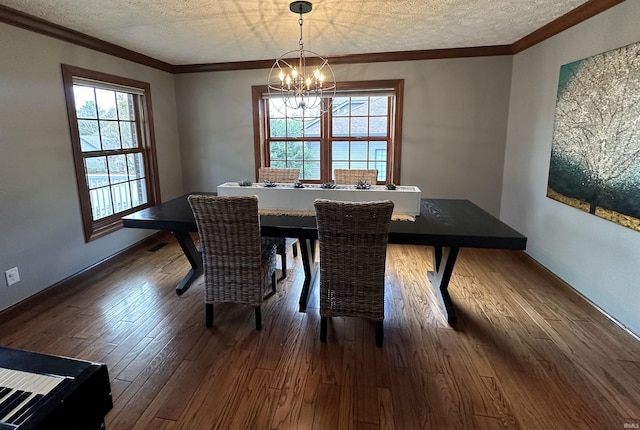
359	128
113	147
357	137
106	123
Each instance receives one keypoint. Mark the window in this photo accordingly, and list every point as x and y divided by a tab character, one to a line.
362	130
113	147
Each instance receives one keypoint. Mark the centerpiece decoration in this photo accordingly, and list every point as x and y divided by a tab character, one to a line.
362	185
299	199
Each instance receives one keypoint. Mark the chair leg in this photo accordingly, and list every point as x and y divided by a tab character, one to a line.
258	318
295	249
208	314
283	259
274	281
379	334
323	329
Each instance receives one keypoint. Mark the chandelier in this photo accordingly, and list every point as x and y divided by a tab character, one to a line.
303	81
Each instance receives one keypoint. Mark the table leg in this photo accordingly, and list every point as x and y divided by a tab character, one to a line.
307	246
194	257
441	276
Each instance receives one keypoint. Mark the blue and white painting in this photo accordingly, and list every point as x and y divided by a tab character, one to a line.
595	154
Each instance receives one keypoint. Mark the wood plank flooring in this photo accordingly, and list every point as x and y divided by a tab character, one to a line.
527	352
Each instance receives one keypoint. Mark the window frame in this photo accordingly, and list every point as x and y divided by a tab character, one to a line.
94	229
261	127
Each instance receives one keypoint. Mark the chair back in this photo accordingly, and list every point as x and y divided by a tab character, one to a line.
274	174
353	247
229	229
351	176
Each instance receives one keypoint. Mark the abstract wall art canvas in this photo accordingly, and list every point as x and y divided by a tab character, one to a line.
595	153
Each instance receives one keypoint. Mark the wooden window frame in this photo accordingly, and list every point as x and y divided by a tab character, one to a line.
261	128
94	229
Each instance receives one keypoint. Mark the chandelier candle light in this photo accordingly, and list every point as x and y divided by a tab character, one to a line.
298	84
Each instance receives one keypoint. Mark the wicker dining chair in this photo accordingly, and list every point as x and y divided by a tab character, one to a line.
353	248
237	268
283	244
274	174
351	176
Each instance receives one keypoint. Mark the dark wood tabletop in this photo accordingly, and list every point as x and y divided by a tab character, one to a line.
442	222
445	224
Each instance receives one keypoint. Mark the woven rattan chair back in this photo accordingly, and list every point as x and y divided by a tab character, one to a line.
236	267
353	247
351	176
274	174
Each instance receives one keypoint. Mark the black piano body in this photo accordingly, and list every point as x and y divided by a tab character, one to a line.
80	403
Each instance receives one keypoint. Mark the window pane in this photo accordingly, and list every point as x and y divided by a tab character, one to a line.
380	163
117	168
340	106
340	151
295	165
128	135
294	151
101	203
378	126
277	151
135	166
89	135
277	127
359	151
359	126
138	193
279	164
96	171
276	106
379	105
359	107
294	128
312	151
340	126
106	104
311	170
311	128
125	106
358	165
110	135
376	148
84	98
121	197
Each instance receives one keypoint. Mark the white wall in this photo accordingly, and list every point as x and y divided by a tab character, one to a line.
40	222
454	129
596	257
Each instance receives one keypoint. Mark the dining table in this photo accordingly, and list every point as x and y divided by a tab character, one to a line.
445	224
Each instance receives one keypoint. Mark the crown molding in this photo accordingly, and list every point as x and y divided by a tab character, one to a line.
574	17
37	25
568	20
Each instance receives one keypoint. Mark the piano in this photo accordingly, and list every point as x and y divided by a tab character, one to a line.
40	391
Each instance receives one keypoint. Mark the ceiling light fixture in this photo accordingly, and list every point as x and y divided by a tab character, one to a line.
302	82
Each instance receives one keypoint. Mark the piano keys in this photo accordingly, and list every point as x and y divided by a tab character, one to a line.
39	391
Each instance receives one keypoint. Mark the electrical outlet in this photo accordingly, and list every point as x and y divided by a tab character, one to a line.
12	276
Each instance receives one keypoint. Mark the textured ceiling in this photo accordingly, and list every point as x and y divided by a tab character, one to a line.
213	31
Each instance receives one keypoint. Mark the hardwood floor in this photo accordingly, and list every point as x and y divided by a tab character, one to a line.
527	352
